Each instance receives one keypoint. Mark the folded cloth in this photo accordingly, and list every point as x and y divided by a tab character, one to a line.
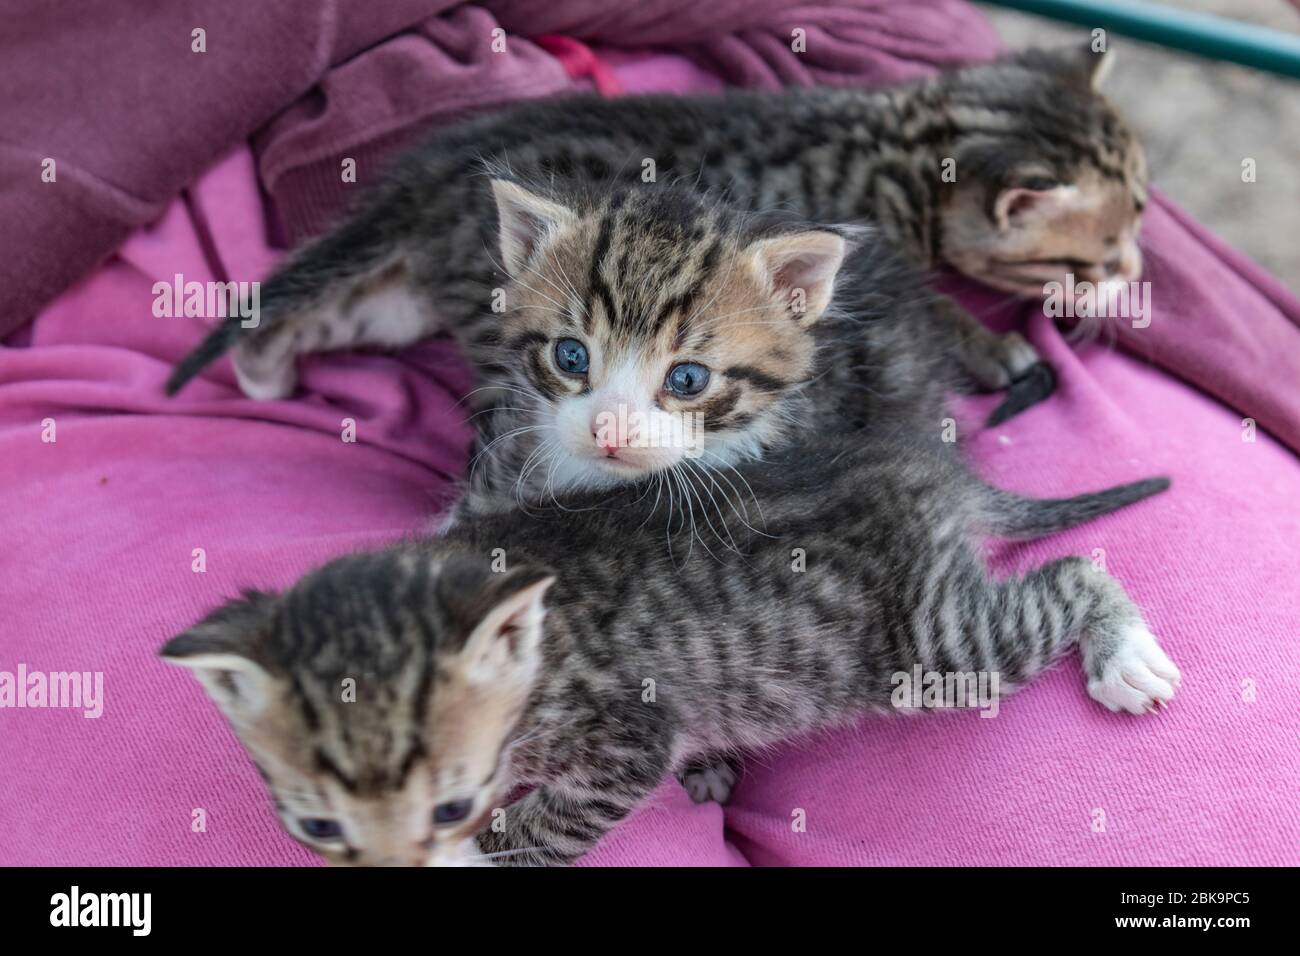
147	95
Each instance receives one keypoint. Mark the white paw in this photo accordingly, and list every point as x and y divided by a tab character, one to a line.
1018	356
1138	677
710	783
1002	361
262	380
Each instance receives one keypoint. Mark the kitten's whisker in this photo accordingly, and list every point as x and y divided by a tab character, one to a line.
554	261
753	497
690	537
702	470
526	429
502	854
520	281
743	518
494	386
495	408
531	463
654	509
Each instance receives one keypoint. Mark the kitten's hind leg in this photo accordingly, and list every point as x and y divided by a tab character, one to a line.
1071	599
389	311
372	281
710	777
1128	671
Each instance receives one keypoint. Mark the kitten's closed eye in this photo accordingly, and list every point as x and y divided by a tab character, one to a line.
321	829
452	812
1040	183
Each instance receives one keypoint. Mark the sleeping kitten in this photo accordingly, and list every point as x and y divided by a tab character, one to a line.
1048	180
588	686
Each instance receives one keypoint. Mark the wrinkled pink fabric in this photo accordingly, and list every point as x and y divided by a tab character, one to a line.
315	76
98	532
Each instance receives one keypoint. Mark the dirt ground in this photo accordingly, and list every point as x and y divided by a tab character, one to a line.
1200	119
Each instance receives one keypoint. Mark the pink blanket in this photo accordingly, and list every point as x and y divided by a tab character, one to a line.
105	528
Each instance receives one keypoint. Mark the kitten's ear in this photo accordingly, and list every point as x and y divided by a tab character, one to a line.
800	269
524	219
494	618
1084	66
224	652
1030	198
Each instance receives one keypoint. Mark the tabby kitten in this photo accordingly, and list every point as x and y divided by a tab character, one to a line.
588	687
1048	180
650	331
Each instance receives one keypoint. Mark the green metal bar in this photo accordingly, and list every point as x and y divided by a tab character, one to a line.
1216	38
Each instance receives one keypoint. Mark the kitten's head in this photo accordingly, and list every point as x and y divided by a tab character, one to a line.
1049	179
651	324
376	696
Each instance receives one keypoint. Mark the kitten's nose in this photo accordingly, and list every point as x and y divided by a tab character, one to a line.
613	430
1127	265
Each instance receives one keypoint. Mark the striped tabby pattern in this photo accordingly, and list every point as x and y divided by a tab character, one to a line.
1015	173
473	680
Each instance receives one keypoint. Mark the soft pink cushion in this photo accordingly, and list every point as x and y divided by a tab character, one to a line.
99	529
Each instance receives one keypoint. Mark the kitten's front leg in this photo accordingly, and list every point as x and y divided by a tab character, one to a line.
556	824
612	769
996	362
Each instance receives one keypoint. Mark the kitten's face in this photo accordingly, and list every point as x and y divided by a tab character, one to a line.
652	329
377	704
1058	190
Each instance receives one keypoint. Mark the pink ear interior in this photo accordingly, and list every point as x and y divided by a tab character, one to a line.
808	261
797	273
1015	202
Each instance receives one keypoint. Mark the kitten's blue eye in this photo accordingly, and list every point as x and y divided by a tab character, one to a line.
687	379
319	829
571	356
452	812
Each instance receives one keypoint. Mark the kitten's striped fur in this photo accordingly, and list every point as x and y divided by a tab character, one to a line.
650	276
465	692
1048	180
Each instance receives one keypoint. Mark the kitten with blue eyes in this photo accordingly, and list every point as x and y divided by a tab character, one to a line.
654	333
473	684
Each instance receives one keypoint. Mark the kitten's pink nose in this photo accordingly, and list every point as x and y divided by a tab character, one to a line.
613	430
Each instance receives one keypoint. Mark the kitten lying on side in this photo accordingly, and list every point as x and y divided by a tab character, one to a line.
590	685
1014	173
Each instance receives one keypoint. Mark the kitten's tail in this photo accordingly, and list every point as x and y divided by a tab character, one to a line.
1010	515
219	341
330	267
